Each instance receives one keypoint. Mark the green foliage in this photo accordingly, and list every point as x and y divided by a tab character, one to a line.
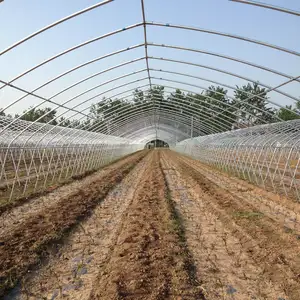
289	113
208	112
69	123
105	116
218	107
2	113
212	107
155	95
42	115
252	106
138	97
107	113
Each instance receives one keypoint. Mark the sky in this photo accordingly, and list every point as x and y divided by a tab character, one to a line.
19	18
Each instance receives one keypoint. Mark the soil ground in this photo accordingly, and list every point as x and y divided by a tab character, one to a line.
155	225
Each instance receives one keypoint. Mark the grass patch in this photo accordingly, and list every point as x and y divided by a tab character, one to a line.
253	215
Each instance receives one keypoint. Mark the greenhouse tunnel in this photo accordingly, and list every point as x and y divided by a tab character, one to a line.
149	149
77	93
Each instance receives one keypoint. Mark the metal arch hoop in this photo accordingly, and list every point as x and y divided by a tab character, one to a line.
72	49
224	72
114	111
137	46
68	72
161	25
272	7
227	35
231	58
54	24
75	97
170	87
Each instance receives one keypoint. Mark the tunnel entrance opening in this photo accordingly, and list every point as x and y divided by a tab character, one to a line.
156	144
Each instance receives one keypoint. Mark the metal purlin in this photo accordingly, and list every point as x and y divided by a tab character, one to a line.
195	65
100	127
248	79
158	25
146	54
71	99
151	136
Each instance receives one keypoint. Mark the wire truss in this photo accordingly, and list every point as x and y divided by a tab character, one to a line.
34	158
266	155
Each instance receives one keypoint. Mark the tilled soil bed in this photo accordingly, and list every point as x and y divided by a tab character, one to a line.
23	245
156	226
71	270
241	247
149	259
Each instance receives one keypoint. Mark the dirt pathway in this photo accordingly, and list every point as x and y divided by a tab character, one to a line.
148	260
239	251
24	243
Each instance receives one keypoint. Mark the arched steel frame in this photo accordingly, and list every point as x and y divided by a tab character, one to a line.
264	5
31	144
